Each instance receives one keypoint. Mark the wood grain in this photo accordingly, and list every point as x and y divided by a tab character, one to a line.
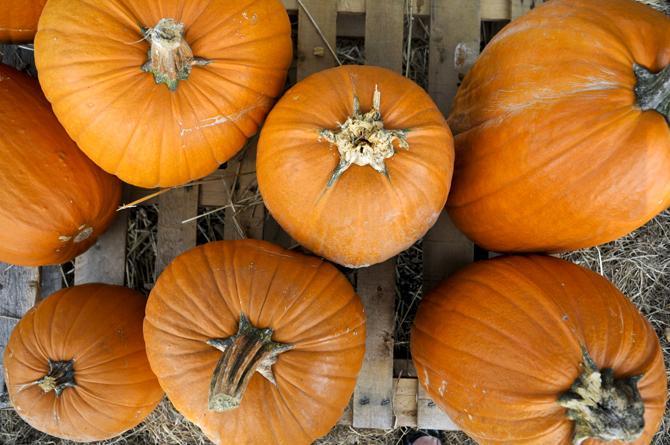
105	262
19	287
384	26
175	237
313	54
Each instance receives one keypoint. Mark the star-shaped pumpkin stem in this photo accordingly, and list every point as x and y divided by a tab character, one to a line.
60	377
603	407
362	140
249	351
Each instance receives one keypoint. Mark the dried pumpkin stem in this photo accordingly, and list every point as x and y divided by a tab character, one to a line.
653	90
603	407
170	57
60	376
363	140
246	352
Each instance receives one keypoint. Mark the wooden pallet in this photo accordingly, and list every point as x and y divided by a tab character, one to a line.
387	394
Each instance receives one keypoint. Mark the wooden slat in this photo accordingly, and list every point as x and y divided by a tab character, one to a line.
51	280
421	7
105	262
313	54
384	33
520	7
173	236
242	222
19	287
495	10
454	24
404	403
429	416
373	396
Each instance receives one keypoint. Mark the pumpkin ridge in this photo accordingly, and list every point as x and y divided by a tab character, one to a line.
480	359
538	169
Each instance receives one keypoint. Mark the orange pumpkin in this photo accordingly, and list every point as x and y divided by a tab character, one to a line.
535	350
18	19
355	164
562	137
159	92
76	367
54	202
225	310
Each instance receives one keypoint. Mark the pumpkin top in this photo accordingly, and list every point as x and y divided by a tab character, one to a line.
160	94
238	331
76	367
538	350
562	130
355	163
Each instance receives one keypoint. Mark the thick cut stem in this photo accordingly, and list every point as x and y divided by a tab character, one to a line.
653	90
170	57
363	140
603	407
60	376
246	352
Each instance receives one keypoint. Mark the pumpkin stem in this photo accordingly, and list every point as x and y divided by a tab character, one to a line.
362	140
603	407
60	376
170	57
246	352
653	90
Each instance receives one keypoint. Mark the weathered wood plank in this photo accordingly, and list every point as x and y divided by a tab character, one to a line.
429	416
421	7
384	24
174	237
51	280
313	54
105	262
19	287
520	7
455	26
245	216
373	397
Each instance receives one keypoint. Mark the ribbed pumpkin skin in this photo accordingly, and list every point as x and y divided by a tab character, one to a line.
552	151
364	218
306	301
18	20
89	54
99	327
496	344
50	192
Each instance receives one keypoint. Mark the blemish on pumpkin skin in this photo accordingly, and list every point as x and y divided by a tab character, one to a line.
222	119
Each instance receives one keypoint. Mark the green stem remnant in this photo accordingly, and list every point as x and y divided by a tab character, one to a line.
246	352
653	90
60	376
362	140
603	407
170	57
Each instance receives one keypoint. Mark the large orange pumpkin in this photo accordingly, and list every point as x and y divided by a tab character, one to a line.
536	350
54	202
76	367
225	310
561	127
355	163
18	19
161	92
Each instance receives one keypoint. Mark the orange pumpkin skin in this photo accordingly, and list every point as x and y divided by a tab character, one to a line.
54	202
18	20
90	56
99	328
307	303
364	217
553	151
496	345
